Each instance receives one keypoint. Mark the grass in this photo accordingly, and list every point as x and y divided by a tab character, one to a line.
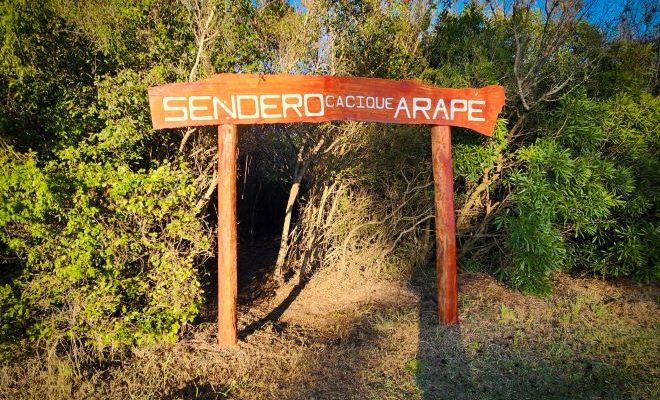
590	340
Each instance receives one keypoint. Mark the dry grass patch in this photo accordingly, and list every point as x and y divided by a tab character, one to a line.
375	338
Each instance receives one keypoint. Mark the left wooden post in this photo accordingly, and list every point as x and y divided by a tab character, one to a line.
227	255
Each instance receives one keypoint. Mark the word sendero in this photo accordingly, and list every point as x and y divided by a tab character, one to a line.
278	106
267	106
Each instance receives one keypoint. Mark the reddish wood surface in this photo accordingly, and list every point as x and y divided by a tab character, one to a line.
260	99
227	256
445	225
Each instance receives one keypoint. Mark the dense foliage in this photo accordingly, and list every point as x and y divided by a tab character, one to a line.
103	222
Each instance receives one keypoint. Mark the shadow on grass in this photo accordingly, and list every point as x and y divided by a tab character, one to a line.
443	366
275	314
492	364
198	390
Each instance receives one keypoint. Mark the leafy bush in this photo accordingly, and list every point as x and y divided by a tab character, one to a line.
586	199
100	232
106	256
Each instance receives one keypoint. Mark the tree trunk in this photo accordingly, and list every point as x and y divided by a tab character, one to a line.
286	226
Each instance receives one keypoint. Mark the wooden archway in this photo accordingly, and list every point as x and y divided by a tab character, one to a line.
228	100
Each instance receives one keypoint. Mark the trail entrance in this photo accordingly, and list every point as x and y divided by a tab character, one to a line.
228	100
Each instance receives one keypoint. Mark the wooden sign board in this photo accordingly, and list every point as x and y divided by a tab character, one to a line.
228	100
266	99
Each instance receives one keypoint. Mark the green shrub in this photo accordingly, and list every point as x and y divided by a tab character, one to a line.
586	197
105	256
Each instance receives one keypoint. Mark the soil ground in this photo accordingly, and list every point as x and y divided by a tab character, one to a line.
349	336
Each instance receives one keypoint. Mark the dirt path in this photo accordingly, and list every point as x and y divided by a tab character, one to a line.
342	338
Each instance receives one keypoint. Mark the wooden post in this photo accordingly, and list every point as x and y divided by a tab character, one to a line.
445	225
227	256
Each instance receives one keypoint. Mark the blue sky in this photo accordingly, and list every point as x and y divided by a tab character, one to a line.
608	9
600	11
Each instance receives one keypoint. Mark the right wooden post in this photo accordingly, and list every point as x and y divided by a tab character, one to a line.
445	225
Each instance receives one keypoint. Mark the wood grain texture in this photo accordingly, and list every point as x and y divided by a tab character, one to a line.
227	252
445	225
273	99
